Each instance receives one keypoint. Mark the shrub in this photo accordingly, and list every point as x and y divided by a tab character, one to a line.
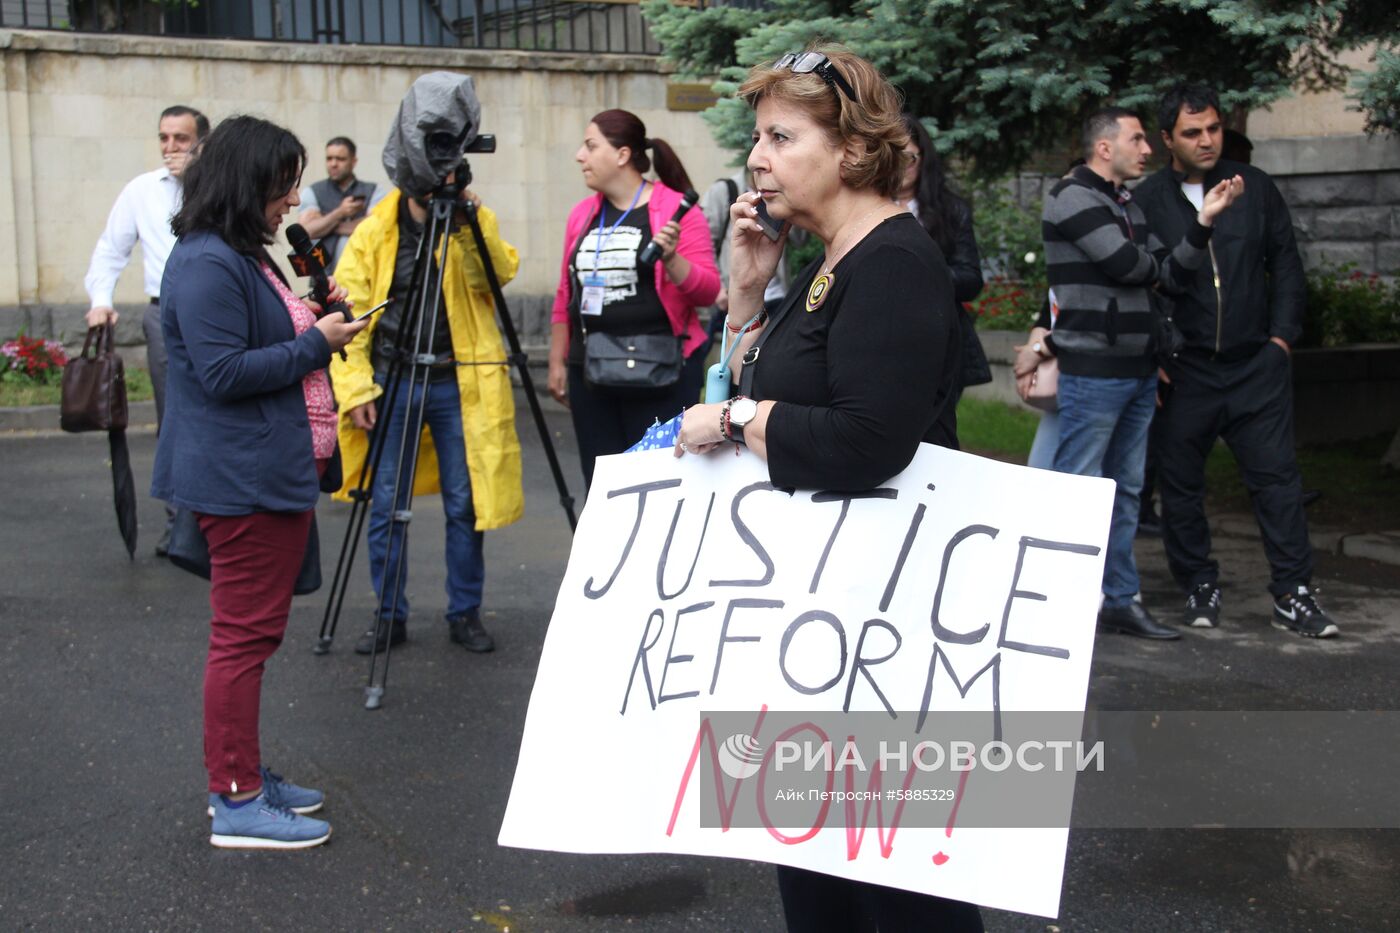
1013	263
1348	306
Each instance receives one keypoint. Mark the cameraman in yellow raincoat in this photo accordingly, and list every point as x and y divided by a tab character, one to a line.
473	458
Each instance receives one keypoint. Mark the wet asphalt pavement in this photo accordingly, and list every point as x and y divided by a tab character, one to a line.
101	662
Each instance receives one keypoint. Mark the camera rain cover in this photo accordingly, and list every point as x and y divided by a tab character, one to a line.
437	120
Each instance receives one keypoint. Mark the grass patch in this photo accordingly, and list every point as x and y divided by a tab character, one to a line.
1358	492
995	429
20	395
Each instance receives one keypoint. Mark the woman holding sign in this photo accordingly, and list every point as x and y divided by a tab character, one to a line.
855	368
625	334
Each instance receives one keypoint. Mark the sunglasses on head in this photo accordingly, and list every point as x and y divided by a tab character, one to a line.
801	63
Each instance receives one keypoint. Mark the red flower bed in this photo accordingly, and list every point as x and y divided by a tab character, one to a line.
30	359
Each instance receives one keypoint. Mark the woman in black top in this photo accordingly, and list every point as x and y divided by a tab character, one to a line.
948	219
924	189
858	364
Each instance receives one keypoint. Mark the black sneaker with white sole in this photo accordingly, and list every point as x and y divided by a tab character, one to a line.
1299	612
1202	607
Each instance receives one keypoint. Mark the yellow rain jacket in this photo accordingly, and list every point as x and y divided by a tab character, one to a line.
366	269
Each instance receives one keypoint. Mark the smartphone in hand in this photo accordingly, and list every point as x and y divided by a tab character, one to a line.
375	310
771	228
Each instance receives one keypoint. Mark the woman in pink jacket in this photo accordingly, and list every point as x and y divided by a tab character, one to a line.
605	289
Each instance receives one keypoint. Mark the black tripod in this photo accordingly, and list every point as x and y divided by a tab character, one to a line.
409	361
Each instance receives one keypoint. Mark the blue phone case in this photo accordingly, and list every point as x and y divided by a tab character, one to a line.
717	385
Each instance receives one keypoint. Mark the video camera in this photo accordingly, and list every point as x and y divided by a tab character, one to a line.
437	125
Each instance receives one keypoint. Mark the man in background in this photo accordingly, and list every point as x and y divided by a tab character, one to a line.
142	215
1102	262
1240	314
332	208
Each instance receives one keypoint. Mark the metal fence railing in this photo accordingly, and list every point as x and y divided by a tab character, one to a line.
540	25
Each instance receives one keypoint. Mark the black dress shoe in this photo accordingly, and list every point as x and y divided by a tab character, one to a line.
467	631
395	634
1133	619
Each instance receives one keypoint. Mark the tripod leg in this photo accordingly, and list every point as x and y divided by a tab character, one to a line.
426	302
521	362
406	433
362	503
338	582
360	494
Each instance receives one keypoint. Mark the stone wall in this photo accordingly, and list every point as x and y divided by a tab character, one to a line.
1344	194
1339	394
78	118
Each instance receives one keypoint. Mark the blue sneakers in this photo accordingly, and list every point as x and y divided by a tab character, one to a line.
262	824
284	793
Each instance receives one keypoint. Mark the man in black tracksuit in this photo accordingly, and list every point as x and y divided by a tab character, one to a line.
1239	315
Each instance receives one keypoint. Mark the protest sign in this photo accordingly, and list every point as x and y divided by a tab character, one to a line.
703	609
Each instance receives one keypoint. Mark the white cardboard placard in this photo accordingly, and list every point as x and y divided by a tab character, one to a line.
607	761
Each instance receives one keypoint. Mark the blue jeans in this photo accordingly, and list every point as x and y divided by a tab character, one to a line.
466	566
1047	439
1103	432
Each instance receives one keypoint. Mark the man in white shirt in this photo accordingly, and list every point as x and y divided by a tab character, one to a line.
142	214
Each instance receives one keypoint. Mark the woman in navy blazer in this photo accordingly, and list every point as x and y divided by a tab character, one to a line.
250	424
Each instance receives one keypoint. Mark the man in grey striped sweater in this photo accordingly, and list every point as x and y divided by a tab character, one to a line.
1102	261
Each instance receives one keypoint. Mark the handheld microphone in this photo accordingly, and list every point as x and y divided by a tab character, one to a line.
652	251
310	262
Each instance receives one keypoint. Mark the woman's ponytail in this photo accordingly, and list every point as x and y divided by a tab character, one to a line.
668	166
625	130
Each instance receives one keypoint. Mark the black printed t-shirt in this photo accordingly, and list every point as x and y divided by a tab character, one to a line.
630	302
860	381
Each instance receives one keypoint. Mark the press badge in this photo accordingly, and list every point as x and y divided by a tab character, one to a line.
592	302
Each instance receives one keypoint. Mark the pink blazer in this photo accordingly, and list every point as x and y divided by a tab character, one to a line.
700	287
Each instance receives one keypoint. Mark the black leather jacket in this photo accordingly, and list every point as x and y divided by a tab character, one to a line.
1253	286
964	261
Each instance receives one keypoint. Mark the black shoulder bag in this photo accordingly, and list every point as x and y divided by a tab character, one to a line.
627	364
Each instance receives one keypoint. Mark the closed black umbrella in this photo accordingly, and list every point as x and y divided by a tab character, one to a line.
123	490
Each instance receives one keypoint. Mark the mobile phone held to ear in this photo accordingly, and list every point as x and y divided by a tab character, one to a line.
771	228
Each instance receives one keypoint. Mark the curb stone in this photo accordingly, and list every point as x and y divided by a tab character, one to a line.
45	417
1383	546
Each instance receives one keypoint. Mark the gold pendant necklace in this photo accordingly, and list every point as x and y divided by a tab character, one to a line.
825	279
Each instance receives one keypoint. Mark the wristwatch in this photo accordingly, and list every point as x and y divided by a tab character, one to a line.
739	411
1041	347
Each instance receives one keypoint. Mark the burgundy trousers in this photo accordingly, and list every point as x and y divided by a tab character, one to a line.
254	561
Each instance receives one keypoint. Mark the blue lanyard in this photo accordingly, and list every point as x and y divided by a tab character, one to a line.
603	218
723	339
